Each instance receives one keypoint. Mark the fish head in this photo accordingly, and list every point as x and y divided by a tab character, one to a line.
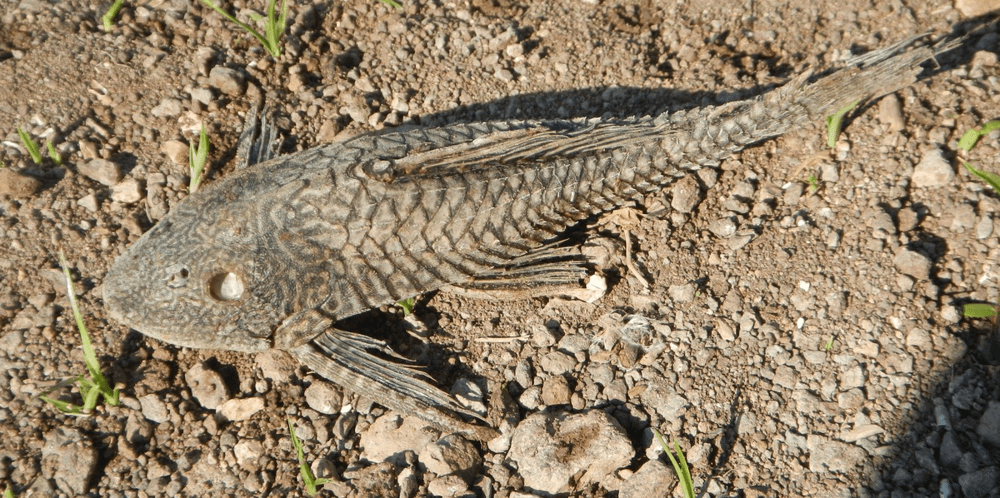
200	278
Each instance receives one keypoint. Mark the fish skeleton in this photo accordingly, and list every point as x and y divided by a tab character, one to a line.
274	254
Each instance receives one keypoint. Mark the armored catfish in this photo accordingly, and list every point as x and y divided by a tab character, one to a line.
274	254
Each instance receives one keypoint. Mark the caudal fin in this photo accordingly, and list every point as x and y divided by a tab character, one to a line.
867	77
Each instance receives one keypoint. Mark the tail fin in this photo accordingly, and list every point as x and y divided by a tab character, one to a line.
704	136
866	77
869	76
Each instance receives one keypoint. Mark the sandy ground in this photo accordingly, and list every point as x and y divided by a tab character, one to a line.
806	336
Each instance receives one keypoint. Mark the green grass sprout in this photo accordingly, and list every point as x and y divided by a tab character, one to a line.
407	305
307	475
108	19
197	159
54	154
30	144
991	179
96	385
681	468
392	3
273	26
813	182
969	138
979	310
829	345
834	123
8	493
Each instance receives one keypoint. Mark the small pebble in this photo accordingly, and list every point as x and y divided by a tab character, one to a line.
102	171
168	107
912	263
989	424
127	192
241	409
681	293
207	386
88	202
984	228
723	228
685	194
229	81
933	170
18	185
890	113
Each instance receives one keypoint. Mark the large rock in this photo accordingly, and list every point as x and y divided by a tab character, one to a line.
559	452
324	397
276	365
240	409
979	484
229	81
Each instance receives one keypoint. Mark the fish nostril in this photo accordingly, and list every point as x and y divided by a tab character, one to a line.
226	287
178	276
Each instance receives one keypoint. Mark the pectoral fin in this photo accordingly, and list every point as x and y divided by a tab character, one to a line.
347	359
300	328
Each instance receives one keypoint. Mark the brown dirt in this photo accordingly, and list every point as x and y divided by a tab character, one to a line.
747	353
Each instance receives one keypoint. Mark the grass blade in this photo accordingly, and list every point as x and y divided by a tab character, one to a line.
310	481
979	310
108	19
275	27
969	138
835	122
991	179
89	358
64	407
392	3
407	305
54	154
680	467
197	158
30	144
273	49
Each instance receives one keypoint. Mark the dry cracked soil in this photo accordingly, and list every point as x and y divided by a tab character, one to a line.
792	318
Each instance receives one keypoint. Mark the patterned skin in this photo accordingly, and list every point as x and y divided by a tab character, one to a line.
274	254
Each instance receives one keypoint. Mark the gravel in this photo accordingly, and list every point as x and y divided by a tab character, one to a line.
794	342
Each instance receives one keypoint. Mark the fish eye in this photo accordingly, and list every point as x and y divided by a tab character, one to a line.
226	287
